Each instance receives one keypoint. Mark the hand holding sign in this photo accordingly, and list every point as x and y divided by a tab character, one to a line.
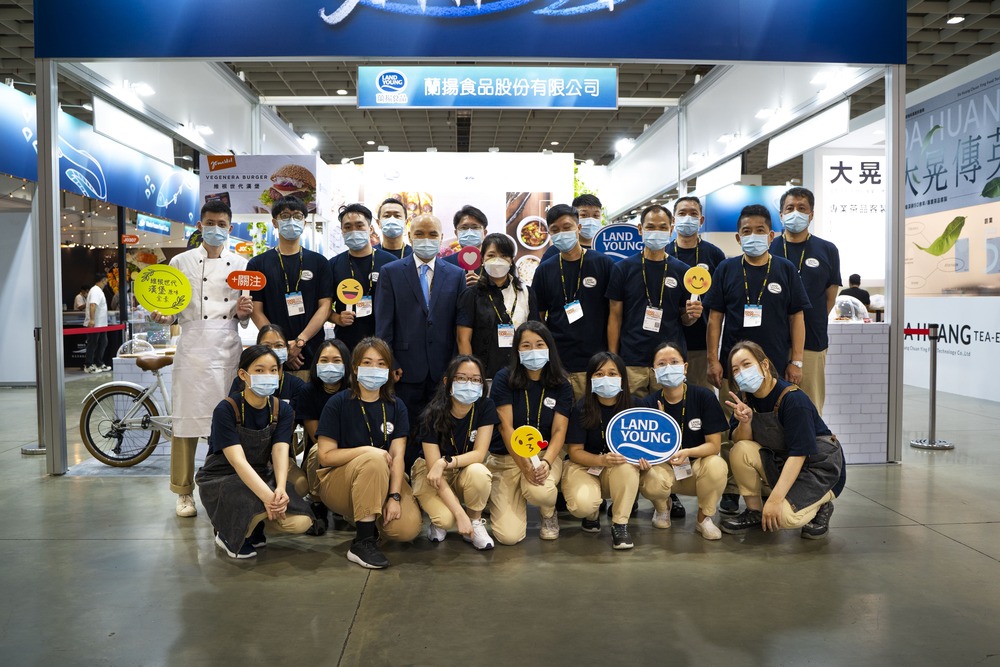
643	434
526	441
469	258
697	280
349	291
246	282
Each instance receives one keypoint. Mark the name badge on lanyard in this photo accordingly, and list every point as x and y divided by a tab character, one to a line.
364	307
505	335
574	311
752	315
295	304
653	319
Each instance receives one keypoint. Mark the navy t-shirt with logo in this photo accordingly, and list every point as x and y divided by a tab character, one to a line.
311	400
699	414
708	257
462	439
365	270
536	406
405	251
353	423
592	439
818	263
224	433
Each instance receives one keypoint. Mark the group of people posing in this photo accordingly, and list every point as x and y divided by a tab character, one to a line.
410	408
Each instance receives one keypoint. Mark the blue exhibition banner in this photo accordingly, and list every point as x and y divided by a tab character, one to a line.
618	241
846	31
94	166
472	87
146	223
953	149
643	433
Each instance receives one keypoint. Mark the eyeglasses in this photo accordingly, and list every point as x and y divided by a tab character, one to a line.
297	217
465	378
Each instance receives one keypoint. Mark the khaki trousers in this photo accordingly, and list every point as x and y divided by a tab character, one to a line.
578	381
814	378
511	493
182	465
749	474
472	485
297	477
641	380
312	469
584	492
697	374
295	525
359	488
707	482
655	486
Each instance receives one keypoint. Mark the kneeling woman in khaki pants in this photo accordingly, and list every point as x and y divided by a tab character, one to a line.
457	427
780	439
361	441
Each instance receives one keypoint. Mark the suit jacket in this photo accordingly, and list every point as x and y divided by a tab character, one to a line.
422	340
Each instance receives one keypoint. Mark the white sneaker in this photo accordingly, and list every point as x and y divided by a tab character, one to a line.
708	529
480	538
435	534
104	368
90	369
661	519
550	528
185	505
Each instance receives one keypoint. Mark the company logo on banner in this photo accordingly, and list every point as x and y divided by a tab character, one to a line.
154	225
618	241
251	184
488	87
852	192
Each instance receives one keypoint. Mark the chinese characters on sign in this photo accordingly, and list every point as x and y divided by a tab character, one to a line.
162	288
851	209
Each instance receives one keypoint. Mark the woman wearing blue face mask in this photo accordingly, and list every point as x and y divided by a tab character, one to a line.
781	439
696	469
244	483
458	426
361	443
532	391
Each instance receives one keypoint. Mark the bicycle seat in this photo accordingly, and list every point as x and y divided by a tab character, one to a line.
153	362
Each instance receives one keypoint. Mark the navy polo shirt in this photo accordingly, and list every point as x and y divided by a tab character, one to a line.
344	420
780	292
365	270
311	400
536	405
708	257
797	416
629	286
462	438
224	432
699	414
405	251
311	276
592	439
558	283
818	263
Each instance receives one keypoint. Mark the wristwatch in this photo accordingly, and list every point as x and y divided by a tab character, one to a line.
394	496
301	342
796	363
448	460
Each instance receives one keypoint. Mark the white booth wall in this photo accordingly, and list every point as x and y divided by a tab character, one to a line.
17	297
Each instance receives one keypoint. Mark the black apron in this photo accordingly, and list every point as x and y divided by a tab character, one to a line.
820	472
230	503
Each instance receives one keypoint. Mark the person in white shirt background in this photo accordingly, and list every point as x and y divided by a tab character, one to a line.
96	315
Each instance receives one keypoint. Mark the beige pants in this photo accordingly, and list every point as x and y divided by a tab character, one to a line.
295	525
511	493
584	492
578	381
641	380
706	483
359	488
697	374
472	485
814	378
656	484
749	474
312	470
297	477
182	465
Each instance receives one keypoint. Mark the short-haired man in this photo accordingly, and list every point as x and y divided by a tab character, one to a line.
854	289
392	221
590	210
96	316
470	229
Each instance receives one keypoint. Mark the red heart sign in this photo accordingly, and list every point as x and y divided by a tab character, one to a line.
469	258
543	443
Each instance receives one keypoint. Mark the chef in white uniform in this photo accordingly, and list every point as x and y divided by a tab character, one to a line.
209	349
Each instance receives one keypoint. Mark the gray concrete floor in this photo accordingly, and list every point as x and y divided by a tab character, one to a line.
97	570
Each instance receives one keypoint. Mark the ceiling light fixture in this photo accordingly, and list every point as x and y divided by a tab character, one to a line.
341	91
370	142
624	145
492	149
554	143
309	141
955	20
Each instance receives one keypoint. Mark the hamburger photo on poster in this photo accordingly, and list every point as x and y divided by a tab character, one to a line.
291	180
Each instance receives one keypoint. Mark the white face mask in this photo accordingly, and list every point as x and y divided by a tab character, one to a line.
497	267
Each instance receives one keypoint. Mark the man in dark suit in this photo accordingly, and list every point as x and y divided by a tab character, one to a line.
415	311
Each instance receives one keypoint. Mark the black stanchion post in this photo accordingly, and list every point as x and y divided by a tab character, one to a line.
931	441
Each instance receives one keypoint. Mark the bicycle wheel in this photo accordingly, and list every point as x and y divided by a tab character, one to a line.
107	438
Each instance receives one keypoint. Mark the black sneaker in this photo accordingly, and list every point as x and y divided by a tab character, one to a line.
320	522
591	525
742	523
257	538
677	510
730	504
620	537
246	551
366	554
820	525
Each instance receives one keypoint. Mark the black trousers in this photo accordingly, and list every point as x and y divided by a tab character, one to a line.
97	343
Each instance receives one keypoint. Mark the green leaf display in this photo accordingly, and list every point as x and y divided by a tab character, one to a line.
930	135
947	240
992	189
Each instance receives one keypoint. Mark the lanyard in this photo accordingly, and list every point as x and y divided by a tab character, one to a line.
281	261
243	416
746	285
697	251
468	434
538	415
663	281
684	400
510	315
802	257
579	278
371	436
350	264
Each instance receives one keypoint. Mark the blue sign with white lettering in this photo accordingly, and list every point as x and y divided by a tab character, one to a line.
846	31
618	241
146	223
487	87
643	433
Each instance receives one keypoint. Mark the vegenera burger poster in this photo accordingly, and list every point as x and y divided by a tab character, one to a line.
251	184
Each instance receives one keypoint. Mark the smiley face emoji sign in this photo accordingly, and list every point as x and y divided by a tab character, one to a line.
527	441
697	280
349	291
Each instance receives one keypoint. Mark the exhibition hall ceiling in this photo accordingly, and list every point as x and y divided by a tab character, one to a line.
935	48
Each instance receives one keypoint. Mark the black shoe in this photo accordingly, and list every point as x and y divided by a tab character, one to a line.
742	523
257	538
677	510
366	554
591	525
320	522
820	525
620	537
730	504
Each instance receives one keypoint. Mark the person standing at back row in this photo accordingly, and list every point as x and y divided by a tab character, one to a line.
392	220
96	315
818	263
299	292
470	230
588	209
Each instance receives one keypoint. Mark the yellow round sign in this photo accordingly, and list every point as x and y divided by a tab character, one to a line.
162	288
527	441
697	280
349	291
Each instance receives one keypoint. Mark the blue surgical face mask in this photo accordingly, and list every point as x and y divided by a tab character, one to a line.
473	237
291	229
330	373
356	240
589	227
564	241
466	393
795	222
372	378
264	385
282	353
749	379
214	236
754	245
656	240
670	376
392	228
606	387
426	249
534	360
687	225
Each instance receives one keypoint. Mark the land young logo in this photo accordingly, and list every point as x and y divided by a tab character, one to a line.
391	85
472	8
